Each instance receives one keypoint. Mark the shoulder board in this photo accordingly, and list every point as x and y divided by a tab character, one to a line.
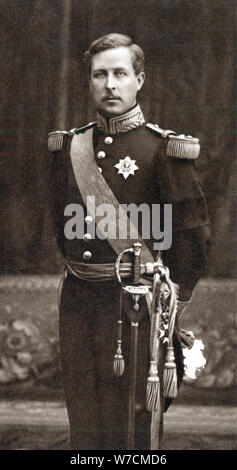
84	128
161	132
56	138
181	146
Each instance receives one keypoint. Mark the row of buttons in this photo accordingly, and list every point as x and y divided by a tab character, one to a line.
87	237
100	154
88	219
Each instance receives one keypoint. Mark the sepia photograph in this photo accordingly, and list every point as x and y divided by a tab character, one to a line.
118	233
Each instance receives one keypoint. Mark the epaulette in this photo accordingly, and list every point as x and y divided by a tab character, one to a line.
179	146
56	138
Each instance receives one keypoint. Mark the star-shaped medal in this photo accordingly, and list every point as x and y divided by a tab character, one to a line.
126	167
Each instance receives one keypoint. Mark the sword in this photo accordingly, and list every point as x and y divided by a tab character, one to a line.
136	291
133	350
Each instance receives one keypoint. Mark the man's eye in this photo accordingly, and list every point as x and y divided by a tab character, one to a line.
120	73
100	75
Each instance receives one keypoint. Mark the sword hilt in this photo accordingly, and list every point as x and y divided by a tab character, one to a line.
136	250
118	261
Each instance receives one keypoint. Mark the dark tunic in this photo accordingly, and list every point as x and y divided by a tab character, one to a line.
96	399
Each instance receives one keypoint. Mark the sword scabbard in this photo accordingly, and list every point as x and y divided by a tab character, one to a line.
137	258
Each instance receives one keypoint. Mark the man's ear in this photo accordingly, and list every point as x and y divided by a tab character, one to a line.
140	80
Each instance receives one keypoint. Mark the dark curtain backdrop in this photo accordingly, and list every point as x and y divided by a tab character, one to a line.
189	87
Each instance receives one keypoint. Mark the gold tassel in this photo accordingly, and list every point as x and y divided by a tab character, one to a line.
119	361
153	388
170	374
118	358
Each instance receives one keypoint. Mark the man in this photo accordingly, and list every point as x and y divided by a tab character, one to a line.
119	159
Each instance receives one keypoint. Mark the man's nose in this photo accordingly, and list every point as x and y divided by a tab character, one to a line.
110	83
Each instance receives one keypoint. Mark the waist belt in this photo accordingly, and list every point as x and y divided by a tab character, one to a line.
105	272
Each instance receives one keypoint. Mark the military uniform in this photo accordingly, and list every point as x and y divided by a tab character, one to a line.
165	173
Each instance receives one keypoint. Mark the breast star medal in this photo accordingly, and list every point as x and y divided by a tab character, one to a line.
126	167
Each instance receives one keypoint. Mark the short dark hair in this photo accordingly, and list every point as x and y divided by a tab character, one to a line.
113	41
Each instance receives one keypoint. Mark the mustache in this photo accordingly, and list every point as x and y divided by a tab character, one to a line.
110	97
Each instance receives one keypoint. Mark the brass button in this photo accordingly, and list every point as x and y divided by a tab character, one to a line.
88	219
87	237
101	154
108	140
87	255
100	169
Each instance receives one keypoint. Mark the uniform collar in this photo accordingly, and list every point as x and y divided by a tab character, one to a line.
122	123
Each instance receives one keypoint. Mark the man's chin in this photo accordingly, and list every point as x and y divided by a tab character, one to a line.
112	109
